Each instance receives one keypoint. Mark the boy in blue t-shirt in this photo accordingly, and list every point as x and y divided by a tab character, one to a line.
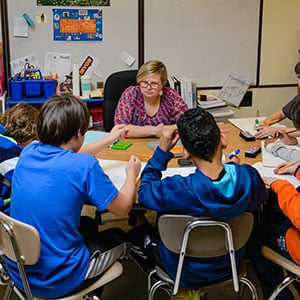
51	184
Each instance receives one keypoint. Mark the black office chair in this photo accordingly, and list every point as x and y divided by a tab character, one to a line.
114	86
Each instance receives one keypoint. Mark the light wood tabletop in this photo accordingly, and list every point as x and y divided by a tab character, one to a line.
139	148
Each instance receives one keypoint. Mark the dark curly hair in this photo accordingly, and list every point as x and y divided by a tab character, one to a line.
21	122
199	133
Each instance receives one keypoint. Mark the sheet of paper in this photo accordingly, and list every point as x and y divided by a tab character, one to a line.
127	58
235	88
268	172
93	136
116	170
20	27
247	124
176	171
18	64
58	63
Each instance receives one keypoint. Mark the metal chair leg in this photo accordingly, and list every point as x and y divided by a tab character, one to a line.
251	287
154	287
287	280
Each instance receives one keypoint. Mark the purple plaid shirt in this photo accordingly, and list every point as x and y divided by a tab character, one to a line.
131	109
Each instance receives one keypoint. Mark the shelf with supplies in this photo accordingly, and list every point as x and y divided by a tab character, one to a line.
40	100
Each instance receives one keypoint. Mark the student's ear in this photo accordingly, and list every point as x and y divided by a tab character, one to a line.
185	154
78	133
223	141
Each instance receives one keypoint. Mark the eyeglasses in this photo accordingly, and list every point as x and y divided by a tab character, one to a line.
153	85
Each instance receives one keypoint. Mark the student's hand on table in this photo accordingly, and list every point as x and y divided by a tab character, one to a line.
168	138
118	132
288	171
286	139
133	165
234	158
269	180
265	131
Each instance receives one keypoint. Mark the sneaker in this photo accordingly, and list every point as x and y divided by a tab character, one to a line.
188	294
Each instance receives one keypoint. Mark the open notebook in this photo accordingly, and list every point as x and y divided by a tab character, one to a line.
268	172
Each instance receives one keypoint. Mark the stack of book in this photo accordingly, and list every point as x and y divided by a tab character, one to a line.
211	102
185	87
216	106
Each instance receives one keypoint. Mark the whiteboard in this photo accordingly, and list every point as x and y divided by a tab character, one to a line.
203	39
120	33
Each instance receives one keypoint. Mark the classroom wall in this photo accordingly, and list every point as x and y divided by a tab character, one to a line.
120	30
279	43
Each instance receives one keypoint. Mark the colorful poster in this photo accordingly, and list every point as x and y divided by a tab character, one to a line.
77	25
74	2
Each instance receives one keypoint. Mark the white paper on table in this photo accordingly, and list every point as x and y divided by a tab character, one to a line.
268	172
247	124
116	170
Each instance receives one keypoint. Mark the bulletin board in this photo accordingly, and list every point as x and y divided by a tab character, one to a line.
120	33
77	25
74	2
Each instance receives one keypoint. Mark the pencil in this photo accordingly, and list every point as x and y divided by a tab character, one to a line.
271	122
292	131
144	155
289	165
288	132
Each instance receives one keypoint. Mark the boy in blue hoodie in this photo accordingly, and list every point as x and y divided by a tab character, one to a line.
215	189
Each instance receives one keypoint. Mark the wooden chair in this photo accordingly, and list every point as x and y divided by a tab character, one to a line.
20	242
205	238
292	268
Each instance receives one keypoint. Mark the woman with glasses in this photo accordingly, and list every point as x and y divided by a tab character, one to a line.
148	107
264	130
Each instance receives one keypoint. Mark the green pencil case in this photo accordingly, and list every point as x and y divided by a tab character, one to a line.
121	145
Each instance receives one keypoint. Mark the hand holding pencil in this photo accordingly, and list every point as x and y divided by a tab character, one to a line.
287	168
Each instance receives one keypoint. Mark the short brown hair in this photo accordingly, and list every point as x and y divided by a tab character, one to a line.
60	119
21	122
152	67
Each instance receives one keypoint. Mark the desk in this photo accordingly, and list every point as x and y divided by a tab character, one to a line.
140	146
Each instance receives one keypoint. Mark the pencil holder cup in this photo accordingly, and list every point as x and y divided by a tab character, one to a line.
86	86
